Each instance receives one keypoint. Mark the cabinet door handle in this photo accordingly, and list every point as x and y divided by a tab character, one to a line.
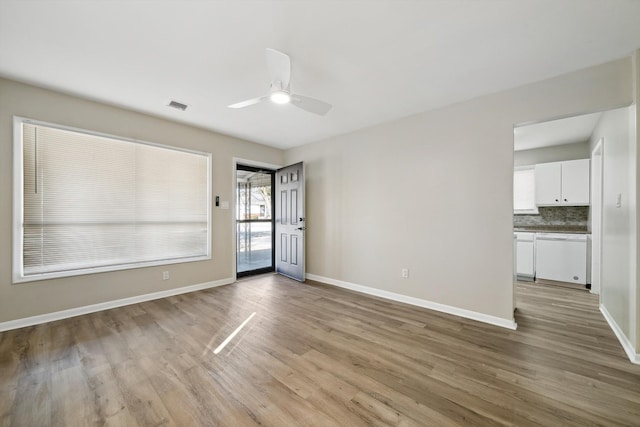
557	200
565	200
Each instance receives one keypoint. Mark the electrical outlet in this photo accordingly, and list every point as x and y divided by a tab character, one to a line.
165	275
404	273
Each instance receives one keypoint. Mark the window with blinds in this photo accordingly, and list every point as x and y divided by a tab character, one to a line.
87	202
524	190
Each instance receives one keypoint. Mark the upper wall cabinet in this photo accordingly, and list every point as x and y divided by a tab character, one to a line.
563	183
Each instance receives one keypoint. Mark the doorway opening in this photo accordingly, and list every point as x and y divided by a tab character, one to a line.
254	221
552	202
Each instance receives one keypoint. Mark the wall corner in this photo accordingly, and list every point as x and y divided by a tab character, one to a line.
635	120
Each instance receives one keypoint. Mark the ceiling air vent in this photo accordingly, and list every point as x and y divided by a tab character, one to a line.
178	105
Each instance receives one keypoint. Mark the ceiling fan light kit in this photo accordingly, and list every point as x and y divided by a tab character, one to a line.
280	97
279	65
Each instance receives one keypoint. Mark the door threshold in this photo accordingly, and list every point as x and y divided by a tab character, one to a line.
254	276
569	285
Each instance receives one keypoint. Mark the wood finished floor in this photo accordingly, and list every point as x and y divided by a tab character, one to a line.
318	355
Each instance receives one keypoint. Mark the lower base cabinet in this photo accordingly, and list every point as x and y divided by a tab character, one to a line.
525	255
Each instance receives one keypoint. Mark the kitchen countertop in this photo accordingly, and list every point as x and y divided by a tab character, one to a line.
552	229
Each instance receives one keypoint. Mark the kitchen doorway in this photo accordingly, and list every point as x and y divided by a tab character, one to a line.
254	220
552	207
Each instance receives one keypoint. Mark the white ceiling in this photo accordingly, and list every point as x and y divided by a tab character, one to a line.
375	61
555	132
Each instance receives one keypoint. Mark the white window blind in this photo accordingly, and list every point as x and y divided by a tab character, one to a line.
524	190
94	203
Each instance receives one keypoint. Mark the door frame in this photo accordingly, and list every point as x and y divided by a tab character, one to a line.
234	202
272	267
597	158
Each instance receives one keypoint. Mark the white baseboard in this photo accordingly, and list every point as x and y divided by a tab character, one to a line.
468	314
624	341
72	312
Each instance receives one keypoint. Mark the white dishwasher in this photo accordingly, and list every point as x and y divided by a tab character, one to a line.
562	257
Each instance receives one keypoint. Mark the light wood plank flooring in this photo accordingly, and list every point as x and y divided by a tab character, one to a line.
318	355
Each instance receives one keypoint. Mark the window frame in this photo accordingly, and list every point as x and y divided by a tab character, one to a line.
18	206
535	210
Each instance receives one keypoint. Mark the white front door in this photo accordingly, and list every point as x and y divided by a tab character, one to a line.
290	222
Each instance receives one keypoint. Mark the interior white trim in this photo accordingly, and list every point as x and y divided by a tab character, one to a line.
624	341
597	162
461	312
72	312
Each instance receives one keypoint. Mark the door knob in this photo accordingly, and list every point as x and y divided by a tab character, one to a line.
301	228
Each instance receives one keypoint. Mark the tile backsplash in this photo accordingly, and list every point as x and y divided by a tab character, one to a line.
573	216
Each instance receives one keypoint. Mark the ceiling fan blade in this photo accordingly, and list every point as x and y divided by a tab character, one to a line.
311	105
279	66
248	102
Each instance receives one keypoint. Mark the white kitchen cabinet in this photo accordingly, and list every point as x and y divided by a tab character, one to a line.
525	255
563	183
575	182
548	180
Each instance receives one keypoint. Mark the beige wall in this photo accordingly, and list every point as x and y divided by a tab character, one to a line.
433	192
636	191
617	293
34	298
430	192
556	153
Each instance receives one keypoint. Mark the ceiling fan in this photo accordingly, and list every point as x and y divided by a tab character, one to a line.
279	65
